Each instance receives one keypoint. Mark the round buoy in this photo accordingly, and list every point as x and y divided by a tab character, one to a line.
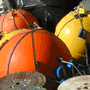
17	19
69	30
31	50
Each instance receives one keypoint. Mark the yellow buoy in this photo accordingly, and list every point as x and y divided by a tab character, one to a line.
69	28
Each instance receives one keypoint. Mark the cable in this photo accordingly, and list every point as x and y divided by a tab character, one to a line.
73	66
23	17
14	20
77	69
14	49
84	35
80	19
36	63
3	22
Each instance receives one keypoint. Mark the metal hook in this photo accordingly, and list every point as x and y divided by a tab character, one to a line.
80	9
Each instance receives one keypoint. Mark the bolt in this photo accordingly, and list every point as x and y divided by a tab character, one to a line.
23	85
24	80
12	81
11	86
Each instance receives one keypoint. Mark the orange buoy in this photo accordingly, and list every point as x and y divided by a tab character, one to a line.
16	19
31	50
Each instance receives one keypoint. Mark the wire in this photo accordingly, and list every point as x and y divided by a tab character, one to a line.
80	19
36	63
73	66
14	20
14	49
85	36
23	18
3	22
77	69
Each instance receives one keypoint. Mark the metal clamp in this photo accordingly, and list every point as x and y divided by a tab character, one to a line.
80	9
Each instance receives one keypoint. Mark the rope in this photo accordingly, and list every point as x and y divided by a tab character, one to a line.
14	49
3	22
84	34
14	19
35	62
23	18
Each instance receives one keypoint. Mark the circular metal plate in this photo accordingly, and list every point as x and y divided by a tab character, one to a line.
32	88
76	83
19	79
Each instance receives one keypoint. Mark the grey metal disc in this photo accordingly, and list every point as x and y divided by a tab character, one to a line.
32	88
19	79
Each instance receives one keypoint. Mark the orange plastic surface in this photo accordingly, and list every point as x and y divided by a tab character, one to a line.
47	47
8	23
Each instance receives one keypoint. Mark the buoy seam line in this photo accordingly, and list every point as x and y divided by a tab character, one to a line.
34	54
65	25
3	21
14	49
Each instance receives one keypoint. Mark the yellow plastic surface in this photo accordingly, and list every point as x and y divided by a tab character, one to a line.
81	9
68	30
8	35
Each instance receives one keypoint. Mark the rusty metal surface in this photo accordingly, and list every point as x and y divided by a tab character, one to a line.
21	79
76	83
32	88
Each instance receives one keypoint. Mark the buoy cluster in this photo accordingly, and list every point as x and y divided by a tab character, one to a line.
24	46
